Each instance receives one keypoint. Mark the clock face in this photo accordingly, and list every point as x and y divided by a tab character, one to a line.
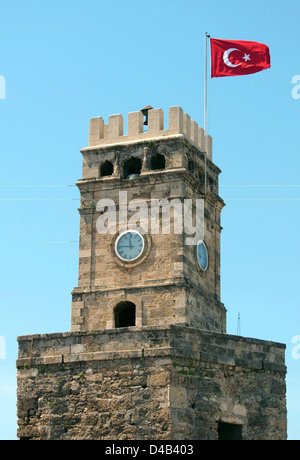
129	245
202	255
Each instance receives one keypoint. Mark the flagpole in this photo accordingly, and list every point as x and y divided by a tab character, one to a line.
205	90
205	112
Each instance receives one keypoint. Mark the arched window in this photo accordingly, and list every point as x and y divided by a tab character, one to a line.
201	177
125	314
191	165
106	169
211	184
132	168
158	161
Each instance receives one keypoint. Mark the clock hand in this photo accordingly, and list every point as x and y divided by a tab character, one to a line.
130	236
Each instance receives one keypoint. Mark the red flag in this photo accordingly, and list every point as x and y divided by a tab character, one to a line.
232	58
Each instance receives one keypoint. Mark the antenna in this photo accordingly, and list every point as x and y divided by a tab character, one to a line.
239	325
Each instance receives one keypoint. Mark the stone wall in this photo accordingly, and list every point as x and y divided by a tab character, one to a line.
149	383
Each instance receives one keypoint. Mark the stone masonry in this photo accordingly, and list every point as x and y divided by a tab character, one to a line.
168	371
170	383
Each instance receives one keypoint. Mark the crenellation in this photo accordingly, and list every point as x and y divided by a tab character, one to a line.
180	123
187	125
176	120
201	139
155	121
115	126
194	132
135	123
96	129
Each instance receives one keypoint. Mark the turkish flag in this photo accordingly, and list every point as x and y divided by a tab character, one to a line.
232	58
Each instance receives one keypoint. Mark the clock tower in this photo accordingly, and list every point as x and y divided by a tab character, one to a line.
149	225
148	356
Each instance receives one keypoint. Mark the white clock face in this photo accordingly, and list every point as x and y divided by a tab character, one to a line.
129	245
202	255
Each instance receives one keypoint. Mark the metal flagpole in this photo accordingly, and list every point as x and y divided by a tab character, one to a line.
205	88
205	111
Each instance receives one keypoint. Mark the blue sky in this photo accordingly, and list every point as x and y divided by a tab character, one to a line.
65	62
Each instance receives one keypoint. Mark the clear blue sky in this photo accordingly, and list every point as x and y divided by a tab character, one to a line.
65	62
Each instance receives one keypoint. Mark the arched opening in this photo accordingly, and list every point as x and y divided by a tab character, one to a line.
229	432
201	179
158	161
125	314
211	184
106	169
191	165
132	168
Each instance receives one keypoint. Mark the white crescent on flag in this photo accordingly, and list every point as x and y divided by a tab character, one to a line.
226	57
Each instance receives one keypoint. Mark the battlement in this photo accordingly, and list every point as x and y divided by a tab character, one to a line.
180	123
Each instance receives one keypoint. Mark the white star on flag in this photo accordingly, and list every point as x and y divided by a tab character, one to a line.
247	57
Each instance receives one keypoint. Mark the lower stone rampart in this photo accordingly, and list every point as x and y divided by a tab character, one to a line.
167	383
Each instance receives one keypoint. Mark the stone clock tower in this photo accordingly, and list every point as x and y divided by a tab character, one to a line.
148	356
157	173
